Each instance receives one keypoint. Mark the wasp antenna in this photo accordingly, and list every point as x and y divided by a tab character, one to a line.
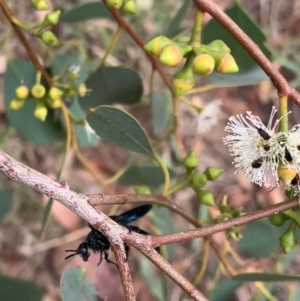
71	254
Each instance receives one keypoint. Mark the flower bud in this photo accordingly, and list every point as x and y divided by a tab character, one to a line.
40	111
206	198
288	240
227	65
213	172
183	39
82	90
54	103
50	19
287	173
22	92
49	39
171	55
199	179
203	64
129	7
278	219
183	81
16	104
191	160
38	91
156	45
218	47
55	93
40	4
142	190
114	4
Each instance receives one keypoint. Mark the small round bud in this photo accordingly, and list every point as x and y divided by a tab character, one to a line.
183	39
206	198
288	240
16	104
40	4
82	90
278	219
218	46
156	45
183	81
213	172
22	92
114	4
40	111
49	38
55	93
129	7
199	179
142	190
51	18
54	103
38	91
203	64
227	65
191	160
171	55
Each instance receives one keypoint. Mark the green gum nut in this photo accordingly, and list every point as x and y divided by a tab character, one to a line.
49	39
142	190
16	104
51	18
288	240
218	47
129	7
40	111
191	161
199	180
278	219
40	4
38	91
213	172
55	93
206	198
227	65
156	45
54	103
183	39
22	92
203	64
171	55
114	4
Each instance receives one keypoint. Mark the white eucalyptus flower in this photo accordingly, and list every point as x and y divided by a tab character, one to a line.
257	149
209	116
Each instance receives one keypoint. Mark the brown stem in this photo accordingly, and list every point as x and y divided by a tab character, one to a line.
161	263
282	86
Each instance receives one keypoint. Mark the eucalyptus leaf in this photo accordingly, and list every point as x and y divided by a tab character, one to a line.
266	277
84	12
225	290
110	85
13	289
28	127
120	128
75	287
5	204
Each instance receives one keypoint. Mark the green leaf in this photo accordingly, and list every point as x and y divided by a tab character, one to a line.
27	126
85	138
84	12
225	290
118	127
161	113
13	289
5	204
112	85
75	287
266	277
174	27
260	239
249	77
150	175
213	31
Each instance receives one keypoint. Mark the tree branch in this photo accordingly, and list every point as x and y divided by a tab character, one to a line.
282	86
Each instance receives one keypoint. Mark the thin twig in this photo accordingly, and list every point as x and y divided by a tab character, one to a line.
282	86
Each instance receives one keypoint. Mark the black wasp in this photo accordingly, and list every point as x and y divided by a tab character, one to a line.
96	241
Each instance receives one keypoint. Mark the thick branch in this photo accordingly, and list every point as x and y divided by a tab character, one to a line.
282	86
